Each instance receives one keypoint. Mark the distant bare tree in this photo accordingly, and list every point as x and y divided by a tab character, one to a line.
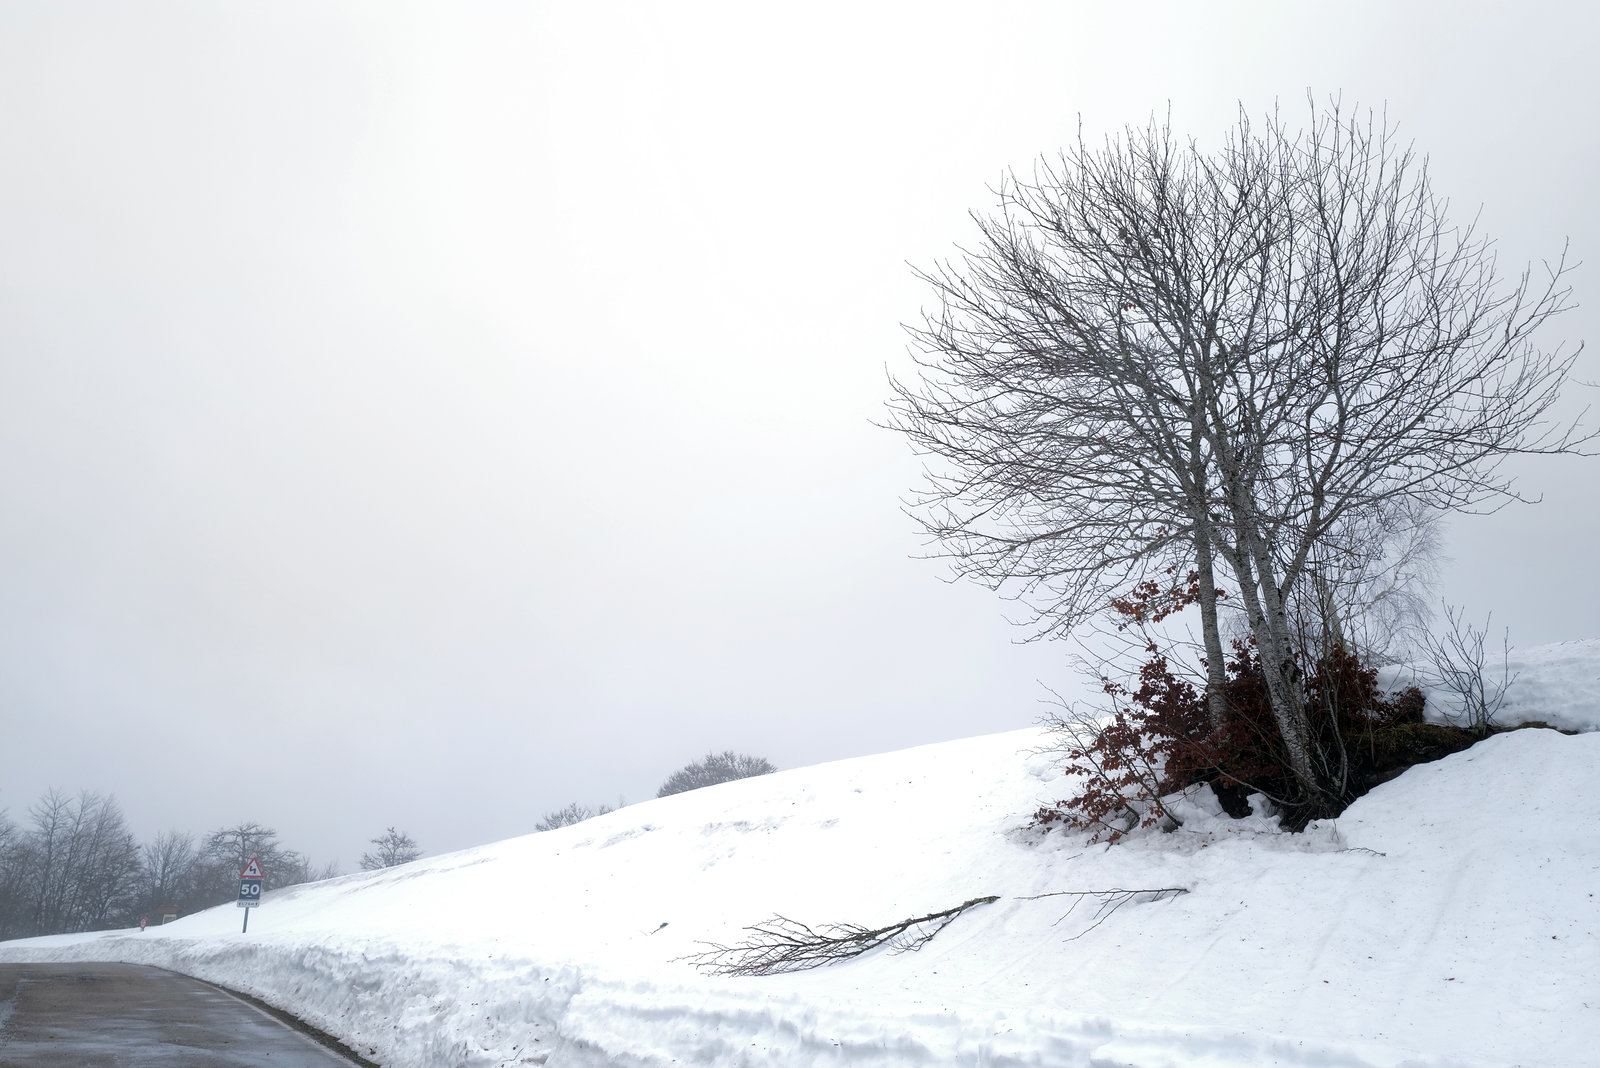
171	865
229	849
76	869
13	879
108	874
48	846
234	847
392	848
715	768
315	874
566	817
295	868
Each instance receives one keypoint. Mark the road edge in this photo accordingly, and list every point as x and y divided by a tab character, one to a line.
288	1019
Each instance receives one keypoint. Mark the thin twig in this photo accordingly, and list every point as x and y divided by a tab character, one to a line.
1110	901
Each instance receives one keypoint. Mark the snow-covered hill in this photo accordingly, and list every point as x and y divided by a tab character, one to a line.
1448	918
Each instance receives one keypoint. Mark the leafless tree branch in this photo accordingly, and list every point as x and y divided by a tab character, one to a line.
784	945
1107	902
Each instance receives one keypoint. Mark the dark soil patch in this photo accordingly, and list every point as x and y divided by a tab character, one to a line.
1384	752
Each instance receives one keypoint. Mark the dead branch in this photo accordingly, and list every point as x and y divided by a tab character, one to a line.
1109	902
784	945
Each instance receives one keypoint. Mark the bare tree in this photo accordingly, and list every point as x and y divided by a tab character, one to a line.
228	849
314	873
13	879
234	847
1367	584
171	870
48	846
1158	359
76	869
715	768
393	848
107	875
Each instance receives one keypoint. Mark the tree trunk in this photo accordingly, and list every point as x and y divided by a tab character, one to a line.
1264	609
1216	673
1205	551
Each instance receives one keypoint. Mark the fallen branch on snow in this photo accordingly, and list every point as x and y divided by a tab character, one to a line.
1110	901
784	945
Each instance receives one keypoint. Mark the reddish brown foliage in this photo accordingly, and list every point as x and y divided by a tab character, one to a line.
1150	602
1131	757
1159	740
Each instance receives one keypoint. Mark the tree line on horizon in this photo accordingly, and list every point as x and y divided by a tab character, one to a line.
75	866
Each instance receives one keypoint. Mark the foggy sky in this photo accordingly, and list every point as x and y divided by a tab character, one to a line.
432	415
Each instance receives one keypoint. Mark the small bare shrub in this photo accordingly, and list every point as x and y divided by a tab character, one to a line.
1458	662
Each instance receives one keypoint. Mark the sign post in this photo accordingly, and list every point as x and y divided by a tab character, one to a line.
249	890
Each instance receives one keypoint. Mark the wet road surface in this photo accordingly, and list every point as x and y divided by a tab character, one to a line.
134	1016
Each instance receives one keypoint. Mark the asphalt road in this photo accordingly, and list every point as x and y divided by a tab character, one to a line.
133	1016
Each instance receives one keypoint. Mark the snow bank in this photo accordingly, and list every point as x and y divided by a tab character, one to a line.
1447	918
1556	684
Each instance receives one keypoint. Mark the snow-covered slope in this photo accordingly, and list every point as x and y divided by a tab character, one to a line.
1448	918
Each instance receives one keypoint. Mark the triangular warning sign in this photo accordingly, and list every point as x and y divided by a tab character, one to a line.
252	870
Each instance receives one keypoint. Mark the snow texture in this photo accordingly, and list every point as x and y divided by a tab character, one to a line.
1447	918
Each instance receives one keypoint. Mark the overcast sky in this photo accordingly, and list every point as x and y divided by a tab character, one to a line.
433	415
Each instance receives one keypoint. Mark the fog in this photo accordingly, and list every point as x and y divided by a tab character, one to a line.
432	415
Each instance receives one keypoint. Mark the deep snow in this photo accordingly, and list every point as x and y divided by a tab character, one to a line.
1447	918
